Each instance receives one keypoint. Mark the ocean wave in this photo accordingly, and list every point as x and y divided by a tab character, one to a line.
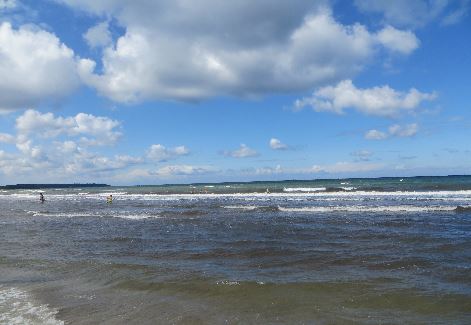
464	195
111	193
303	189
397	208
269	208
97	215
460	208
19	307
241	207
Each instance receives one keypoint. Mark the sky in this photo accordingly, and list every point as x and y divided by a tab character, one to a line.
181	91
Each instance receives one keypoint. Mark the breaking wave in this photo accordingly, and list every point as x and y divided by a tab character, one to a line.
19	307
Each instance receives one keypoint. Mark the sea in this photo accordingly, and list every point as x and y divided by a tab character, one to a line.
337	251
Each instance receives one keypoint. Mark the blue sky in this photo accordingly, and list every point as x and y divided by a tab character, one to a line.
151	92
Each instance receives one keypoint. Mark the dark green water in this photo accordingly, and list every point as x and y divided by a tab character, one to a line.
355	251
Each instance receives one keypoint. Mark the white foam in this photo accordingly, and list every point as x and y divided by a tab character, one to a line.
303	189
241	207
289	194
111	193
396	208
97	214
137	216
19	307
228	283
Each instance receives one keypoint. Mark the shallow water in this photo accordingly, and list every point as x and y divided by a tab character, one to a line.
166	256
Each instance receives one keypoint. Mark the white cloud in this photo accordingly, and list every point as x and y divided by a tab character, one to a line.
456	15
102	129
59	147
395	130
35	67
93	164
243	152
375	135
169	172
8	4
67	147
362	155
404	42
380	101
270	170
182	170
55	148
158	152
336	168
183	52
276	144
98	35
7	138
414	13
404	131
172	50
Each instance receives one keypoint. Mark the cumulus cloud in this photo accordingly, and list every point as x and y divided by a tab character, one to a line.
185	52
375	135
335	168
404	42
168	172
395	130
276	144
414	13
379	101
61	161
182	170
158	152
243	152
35	67
172	50
59	147
102	129
98	35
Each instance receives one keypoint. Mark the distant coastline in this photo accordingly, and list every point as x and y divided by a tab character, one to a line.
41	186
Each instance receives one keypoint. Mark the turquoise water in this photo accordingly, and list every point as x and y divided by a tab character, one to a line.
350	251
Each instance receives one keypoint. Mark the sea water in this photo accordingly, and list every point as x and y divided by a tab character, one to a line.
349	251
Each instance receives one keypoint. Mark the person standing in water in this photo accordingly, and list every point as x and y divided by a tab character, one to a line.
41	197
109	199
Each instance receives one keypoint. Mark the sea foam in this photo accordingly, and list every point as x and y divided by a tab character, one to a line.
19	307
